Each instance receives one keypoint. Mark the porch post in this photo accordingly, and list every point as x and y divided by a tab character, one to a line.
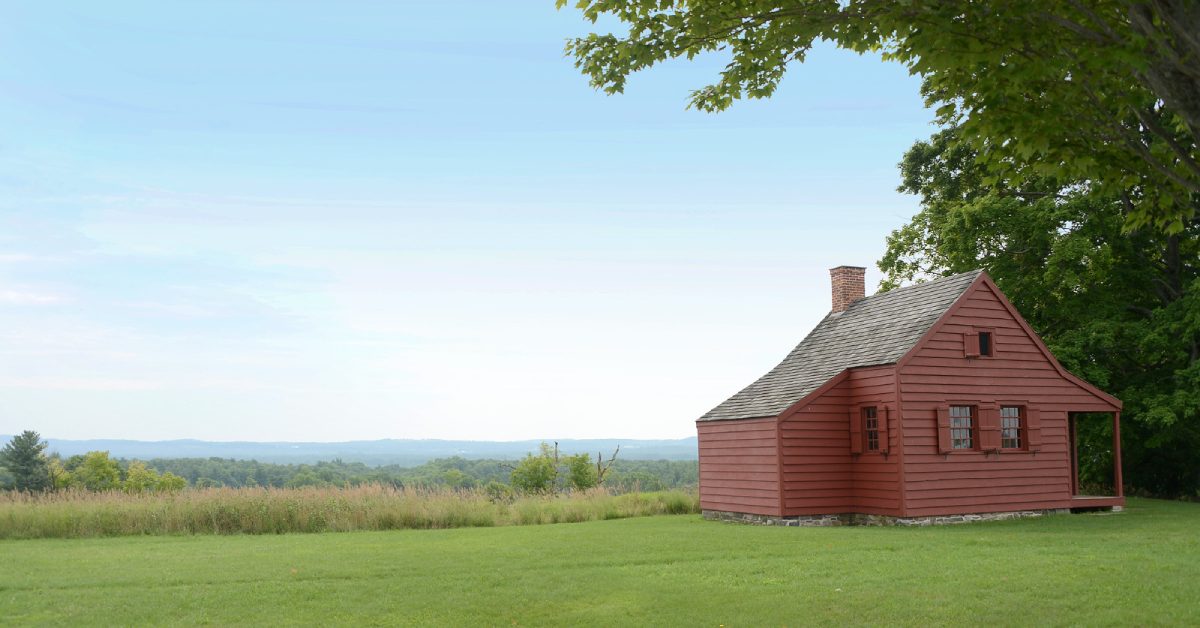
1073	443
1117	453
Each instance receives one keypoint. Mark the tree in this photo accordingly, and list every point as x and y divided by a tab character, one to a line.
170	483
581	473
25	459
455	478
139	478
1120	308
548	471
536	474
96	471
1104	93
305	478
60	478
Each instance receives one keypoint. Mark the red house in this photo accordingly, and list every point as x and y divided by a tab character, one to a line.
932	403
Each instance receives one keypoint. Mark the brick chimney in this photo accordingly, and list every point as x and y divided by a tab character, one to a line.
849	285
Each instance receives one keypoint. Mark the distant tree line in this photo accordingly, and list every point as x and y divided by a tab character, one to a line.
26	466
455	472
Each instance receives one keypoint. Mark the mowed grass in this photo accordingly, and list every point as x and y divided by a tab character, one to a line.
1141	568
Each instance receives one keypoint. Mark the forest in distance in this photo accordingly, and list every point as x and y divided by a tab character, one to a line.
29	462
454	472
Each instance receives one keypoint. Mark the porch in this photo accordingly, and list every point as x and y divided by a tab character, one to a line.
1081	502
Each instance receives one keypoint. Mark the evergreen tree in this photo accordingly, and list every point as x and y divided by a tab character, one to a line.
25	459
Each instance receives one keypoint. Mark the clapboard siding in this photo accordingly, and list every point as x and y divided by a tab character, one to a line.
820	475
937	374
739	466
815	455
875	475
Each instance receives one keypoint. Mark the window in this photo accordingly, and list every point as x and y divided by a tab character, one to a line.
1010	427
962	427
870	416
985	344
979	343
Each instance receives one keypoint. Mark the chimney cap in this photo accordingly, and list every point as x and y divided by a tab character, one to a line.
849	267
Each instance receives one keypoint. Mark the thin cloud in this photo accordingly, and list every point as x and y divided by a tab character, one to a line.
25	258
17	297
77	383
335	107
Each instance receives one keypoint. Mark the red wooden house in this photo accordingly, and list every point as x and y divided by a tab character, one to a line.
930	403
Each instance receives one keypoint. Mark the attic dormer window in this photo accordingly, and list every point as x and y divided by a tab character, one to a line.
979	343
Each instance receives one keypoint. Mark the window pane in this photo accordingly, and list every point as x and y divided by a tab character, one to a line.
871	427
1010	427
962	427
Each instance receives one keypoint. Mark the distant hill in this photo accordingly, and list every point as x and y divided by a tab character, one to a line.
372	452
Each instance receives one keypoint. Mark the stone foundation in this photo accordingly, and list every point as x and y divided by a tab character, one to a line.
857	519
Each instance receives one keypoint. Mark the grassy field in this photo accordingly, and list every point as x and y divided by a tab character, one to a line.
83	514
1137	568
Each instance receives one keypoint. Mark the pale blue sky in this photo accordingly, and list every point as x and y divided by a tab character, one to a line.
332	221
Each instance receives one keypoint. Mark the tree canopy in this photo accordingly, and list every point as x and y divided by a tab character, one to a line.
1103	93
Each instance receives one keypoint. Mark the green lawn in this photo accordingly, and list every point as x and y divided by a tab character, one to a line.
1137	568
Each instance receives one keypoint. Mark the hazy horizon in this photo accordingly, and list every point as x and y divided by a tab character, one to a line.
547	439
404	452
307	223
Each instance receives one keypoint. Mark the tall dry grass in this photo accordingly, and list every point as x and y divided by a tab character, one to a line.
277	511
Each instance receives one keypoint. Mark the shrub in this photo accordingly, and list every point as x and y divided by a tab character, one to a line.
498	492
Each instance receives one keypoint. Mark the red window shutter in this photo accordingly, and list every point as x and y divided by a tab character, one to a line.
883	429
989	428
971	344
1033	420
943	429
856	437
